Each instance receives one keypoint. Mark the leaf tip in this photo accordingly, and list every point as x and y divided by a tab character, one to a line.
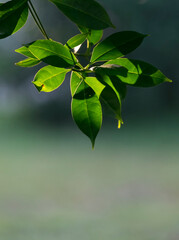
39	88
169	80
93	143
120	122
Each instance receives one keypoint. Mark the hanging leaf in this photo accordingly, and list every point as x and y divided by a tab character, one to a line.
85	107
117	45
13	16
137	73
119	87
111	97
86	13
96	85
49	78
52	53
28	62
76	40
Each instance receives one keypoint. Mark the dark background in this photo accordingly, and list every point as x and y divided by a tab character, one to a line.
156	18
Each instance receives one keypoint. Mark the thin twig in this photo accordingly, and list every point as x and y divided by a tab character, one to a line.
37	19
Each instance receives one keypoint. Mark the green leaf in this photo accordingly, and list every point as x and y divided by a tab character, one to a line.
76	40
96	85
13	16
86	13
86	108
137	73
95	36
117	45
111	97
52	53
49	78
28	62
25	51
119	87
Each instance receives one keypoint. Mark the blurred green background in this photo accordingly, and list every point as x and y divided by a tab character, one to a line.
52	185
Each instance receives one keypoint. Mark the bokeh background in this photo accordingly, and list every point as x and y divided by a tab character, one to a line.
52	184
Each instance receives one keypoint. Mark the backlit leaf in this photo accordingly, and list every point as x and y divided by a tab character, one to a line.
76	40
95	36
111	97
96	85
52	53
25	51
119	87
116	45
49	78
137	73
85	107
28	62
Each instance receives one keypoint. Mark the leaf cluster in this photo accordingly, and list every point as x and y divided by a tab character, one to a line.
103	80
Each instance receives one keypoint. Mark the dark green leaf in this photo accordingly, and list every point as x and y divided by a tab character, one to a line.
13	16
52	53
28	62
117	45
76	40
96	85
119	87
49	78
86	108
137	73
111	98
86	13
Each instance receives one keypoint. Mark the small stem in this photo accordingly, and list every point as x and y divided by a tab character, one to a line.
88	48
37	19
82	70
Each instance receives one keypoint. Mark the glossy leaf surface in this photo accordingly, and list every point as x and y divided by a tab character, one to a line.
111	97
76	40
13	16
96	85
95	36
137	73
86	13
28	62
119	87
49	78
25	51
52	53
86	108
116	45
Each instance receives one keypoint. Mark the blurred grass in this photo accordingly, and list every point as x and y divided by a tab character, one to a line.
53	186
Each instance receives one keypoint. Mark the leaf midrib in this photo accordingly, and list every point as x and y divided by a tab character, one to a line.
52	52
52	76
84	12
113	49
144	74
88	119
